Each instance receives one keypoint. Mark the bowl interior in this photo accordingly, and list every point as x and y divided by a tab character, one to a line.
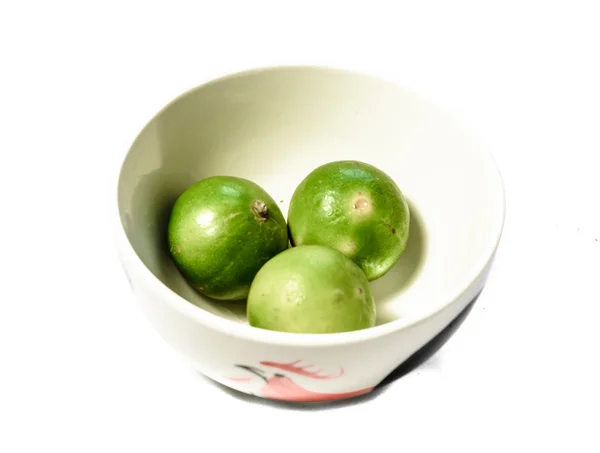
274	126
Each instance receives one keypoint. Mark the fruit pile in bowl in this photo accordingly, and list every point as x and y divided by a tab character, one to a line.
298	233
348	221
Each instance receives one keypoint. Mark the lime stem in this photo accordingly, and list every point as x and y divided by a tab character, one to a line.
260	210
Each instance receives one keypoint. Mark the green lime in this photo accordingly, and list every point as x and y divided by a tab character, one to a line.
221	232
355	208
311	289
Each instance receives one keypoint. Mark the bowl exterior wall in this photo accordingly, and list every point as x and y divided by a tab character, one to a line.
284	372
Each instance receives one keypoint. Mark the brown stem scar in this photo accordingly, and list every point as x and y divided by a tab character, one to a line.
260	210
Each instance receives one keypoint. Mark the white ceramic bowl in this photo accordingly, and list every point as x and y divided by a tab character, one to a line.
274	126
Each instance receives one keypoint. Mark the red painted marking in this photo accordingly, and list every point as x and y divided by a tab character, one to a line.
293	367
239	379
284	389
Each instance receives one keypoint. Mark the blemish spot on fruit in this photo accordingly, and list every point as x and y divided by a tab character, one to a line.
391	228
338	295
178	249
359	291
361	204
348	247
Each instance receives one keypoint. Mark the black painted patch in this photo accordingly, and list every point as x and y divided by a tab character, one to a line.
427	351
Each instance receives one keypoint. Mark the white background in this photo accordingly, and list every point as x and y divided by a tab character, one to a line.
80	368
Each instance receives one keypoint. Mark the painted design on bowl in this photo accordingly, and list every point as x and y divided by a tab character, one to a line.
280	386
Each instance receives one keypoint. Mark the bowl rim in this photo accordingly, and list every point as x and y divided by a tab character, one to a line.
247	332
